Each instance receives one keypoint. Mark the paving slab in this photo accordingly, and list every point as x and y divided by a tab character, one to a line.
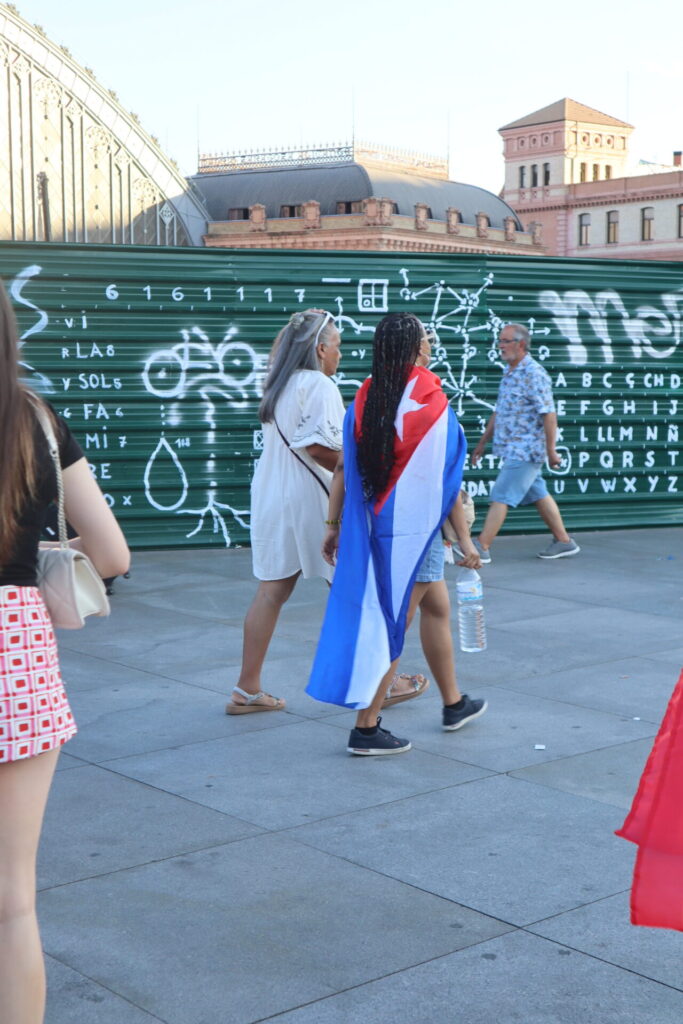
672	656
502	846
121	823
510	980
75	999
602	930
298	772
638	687
145	712
67	761
610	775
242	932
582	637
505	737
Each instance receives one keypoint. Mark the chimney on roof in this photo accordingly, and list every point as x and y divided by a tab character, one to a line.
678	158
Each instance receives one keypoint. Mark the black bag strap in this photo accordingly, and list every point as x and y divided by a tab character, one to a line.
303	463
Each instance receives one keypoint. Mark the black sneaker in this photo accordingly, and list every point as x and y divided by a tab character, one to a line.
455	718
381	742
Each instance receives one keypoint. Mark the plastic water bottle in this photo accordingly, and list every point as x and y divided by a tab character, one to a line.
471	623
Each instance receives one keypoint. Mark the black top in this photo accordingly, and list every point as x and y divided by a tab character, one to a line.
20	571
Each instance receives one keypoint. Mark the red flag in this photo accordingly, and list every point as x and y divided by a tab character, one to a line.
655	823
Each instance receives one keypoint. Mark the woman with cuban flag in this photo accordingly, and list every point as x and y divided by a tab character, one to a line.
398	478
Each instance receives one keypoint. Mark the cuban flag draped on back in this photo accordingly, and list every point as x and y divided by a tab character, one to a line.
383	542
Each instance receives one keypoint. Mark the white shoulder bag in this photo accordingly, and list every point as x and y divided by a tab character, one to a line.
69	584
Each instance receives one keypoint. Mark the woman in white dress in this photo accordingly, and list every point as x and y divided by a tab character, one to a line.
302	416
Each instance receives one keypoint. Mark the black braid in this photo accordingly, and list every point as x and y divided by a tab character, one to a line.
396	347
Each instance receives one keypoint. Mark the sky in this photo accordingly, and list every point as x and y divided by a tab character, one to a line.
437	76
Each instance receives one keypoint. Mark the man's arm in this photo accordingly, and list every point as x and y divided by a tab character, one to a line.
550	430
484	439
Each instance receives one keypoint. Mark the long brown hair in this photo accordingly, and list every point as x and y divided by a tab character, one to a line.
17	457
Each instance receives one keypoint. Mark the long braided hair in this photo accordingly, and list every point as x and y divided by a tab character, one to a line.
396	347
294	349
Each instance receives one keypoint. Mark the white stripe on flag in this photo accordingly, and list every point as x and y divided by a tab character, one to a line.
371	660
418	498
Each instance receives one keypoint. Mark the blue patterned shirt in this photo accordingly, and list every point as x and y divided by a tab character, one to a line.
525	394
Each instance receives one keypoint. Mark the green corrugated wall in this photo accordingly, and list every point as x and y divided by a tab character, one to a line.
157	357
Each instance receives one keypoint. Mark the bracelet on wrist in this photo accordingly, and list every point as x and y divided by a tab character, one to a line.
333	522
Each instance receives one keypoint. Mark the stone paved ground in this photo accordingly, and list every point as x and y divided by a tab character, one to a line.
204	869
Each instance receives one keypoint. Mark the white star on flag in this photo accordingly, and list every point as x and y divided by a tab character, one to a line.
406	405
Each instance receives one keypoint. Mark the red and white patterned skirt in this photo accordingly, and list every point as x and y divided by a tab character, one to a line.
34	712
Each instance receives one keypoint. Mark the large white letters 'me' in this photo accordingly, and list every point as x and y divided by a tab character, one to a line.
565	312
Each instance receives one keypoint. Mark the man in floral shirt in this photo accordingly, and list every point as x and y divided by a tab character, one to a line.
523	428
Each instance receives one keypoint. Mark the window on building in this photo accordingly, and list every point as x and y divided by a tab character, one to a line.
546	174
582	172
534	175
647	223
291	211
608	171
612	227
596	172
680	220
584	228
238	213
522	177
356	206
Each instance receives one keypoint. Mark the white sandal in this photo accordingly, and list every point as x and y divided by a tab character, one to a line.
252	703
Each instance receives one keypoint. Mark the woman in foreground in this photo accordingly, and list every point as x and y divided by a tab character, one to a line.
35	718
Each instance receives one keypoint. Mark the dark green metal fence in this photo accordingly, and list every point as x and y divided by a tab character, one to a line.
157	359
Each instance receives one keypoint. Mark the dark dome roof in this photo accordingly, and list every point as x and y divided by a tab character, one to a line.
346	182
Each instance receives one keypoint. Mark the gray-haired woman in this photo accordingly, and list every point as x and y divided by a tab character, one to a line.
302	415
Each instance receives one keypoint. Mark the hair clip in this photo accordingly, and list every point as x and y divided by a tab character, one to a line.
296	319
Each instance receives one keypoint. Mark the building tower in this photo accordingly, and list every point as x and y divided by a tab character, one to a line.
552	149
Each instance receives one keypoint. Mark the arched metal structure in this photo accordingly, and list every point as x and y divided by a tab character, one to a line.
74	165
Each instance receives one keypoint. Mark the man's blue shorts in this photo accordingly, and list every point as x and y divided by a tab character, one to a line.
519	483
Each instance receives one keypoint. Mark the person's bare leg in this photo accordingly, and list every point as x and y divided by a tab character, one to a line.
437	639
367	717
550	514
24	787
259	626
495	517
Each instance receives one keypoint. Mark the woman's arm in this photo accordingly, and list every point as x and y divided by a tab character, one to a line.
458	520
99	535
334	511
325	457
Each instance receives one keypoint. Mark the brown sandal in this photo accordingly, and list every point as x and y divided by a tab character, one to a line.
419	684
252	703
